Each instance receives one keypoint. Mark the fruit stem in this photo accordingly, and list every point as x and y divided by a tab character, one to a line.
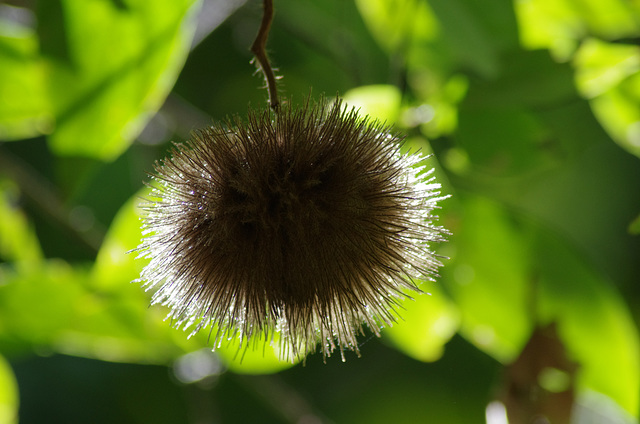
258	49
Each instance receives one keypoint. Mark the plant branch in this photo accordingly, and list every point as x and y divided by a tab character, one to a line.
44	196
258	49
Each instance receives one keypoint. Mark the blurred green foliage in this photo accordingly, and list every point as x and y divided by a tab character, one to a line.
531	109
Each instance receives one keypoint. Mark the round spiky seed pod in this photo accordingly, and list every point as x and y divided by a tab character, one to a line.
308	223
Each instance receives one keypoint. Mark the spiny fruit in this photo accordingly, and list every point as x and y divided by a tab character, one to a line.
307	223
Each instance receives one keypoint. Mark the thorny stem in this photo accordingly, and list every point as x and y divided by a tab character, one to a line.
258	49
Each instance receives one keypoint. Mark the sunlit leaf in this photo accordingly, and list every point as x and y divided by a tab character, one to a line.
260	357
54	306
454	31
441	103
619	113
381	102
487	278
593	322
136	331
37	305
559	31
634	226
601	66
558	25
397	23
609	75
508	273
51	308
110	65
8	394
427	324
24	110
116	263
610	19
18	241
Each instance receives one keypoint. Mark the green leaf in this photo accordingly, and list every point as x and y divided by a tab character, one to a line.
52	308
441	104
558	25
263	356
396	23
507	274
451	31
634	227
24	110
619	114
609	75
139	332
110	66
381	102
549	24
426	325
601	66
37	304
8	394
51	305
18	241
487	277
116	264
593	321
